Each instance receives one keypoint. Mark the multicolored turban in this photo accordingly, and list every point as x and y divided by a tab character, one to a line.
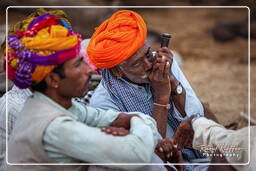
116	39
41	44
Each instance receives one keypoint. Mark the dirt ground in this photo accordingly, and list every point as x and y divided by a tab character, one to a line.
217	71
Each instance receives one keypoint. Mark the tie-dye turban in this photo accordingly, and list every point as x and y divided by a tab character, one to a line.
116	39
41	44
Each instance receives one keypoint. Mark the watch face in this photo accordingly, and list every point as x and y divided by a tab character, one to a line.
179	89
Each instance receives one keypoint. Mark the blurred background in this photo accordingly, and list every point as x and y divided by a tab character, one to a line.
210	45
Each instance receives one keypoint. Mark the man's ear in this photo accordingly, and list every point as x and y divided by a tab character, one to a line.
52	80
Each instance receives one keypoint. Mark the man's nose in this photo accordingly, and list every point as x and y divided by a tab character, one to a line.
88	69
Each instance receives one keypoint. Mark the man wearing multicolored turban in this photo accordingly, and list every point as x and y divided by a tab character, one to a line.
137	79
45	56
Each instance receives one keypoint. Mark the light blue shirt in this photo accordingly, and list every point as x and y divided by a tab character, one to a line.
102	99
77	137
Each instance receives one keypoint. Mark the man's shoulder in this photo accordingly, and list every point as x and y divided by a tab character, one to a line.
100	94
102	99
36	105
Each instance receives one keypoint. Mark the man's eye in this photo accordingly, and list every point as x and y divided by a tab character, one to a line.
79	62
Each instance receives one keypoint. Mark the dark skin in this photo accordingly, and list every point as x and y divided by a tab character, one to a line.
142	67
115	131
184	134
168	152
120	126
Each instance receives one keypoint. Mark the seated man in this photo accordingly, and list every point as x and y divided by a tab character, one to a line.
206	135
16	97
136	80
51	128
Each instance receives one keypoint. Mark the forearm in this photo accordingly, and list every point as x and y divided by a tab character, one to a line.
179	100
160	115
123	120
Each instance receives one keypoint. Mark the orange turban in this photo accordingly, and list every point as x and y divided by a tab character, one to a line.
116	39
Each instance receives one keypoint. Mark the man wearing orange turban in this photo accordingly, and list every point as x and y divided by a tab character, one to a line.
137	79
52	128
117	39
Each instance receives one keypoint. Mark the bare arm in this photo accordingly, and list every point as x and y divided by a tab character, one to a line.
160	83
160	114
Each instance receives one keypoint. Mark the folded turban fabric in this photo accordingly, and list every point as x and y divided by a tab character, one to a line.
41	43
116	39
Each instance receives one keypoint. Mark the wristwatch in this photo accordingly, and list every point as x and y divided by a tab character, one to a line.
178	90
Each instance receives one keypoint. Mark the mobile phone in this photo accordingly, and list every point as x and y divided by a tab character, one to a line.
165	38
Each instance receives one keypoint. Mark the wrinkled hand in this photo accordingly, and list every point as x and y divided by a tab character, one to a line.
168	152
184	134
166	149
160	74
164	51
115	131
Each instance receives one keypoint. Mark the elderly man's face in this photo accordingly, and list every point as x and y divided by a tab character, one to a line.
77	76
137	67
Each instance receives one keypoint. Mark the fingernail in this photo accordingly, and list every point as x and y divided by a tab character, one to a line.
167	63
161	149
175	146
168	155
